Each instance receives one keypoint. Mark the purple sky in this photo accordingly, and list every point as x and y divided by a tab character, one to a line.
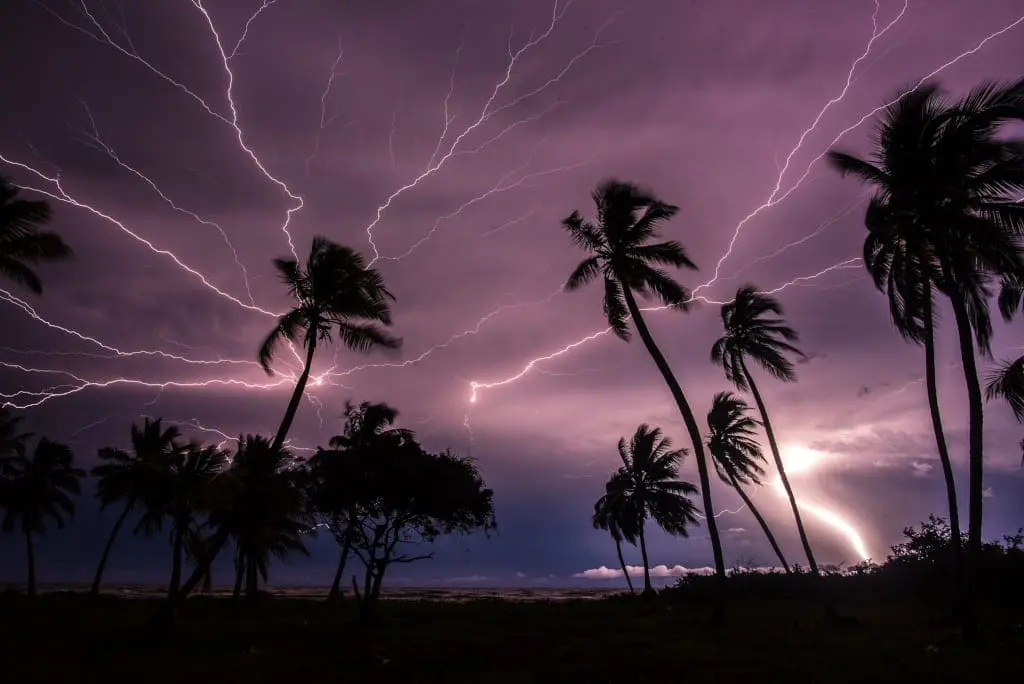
702	102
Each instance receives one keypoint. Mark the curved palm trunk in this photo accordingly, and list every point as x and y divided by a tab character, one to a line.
293	404
179	543
252	580
236	592
31	553
760	521
782	470
335	592
956	541
622	562
95	591
976	486
163	620
648	589
695	438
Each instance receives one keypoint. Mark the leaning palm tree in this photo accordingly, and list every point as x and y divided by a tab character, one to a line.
130	477
648	483
751	332
626	260
335	293
945	219
613	514
38	487
737	455
23	243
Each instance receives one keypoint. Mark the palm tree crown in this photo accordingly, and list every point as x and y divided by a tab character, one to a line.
22	242
628	218
737	455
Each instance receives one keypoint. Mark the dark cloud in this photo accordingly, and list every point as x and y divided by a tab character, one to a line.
702	102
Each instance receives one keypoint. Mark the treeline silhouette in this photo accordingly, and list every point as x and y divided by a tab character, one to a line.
944	225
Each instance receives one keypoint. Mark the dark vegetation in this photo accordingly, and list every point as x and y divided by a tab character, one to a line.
944	226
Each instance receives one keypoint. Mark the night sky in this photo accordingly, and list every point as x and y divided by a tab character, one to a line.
344	105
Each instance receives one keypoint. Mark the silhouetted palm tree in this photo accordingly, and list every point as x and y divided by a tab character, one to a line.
131	477
1006	382
367	424
261	506
614	513
13	441
186	491
737	455
945	218
648	483
751	333
627	262
22	242
38	487
335	293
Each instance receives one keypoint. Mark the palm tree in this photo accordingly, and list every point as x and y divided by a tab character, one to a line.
648	483
186	489
131	477
12	440
22	242
751	333
737	454
38	487
334	293
262	507
627	262
613	514
1006	382
945	219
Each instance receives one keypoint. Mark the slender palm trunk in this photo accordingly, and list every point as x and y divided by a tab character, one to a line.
760	521
956	541
163	620
782	470
648	589
236	592
622	562
975	468
31	553
252	582
179	543
335	592
95	591
695	438
293	404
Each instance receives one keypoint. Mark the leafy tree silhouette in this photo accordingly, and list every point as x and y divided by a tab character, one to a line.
614	514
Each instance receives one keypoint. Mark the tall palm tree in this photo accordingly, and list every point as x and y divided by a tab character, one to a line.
626	260
130	477
23	243
737	455
335	293
38	487
752	333
648	483
614	514
262	507
945	219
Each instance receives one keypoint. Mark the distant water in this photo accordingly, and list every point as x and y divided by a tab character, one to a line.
446	594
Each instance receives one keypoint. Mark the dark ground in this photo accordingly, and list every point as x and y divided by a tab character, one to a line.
70	638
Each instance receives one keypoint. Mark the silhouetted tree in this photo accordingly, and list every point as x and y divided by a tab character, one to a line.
616	515
260	503
131	477
335	479
737	455
945	218
13	442
335	293
38	487
627	262
648	484
23	243
751	332
409	497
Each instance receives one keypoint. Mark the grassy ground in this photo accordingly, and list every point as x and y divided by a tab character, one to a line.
69	638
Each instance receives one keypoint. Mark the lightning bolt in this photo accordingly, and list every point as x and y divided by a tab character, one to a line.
95	137
324	121
267	4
